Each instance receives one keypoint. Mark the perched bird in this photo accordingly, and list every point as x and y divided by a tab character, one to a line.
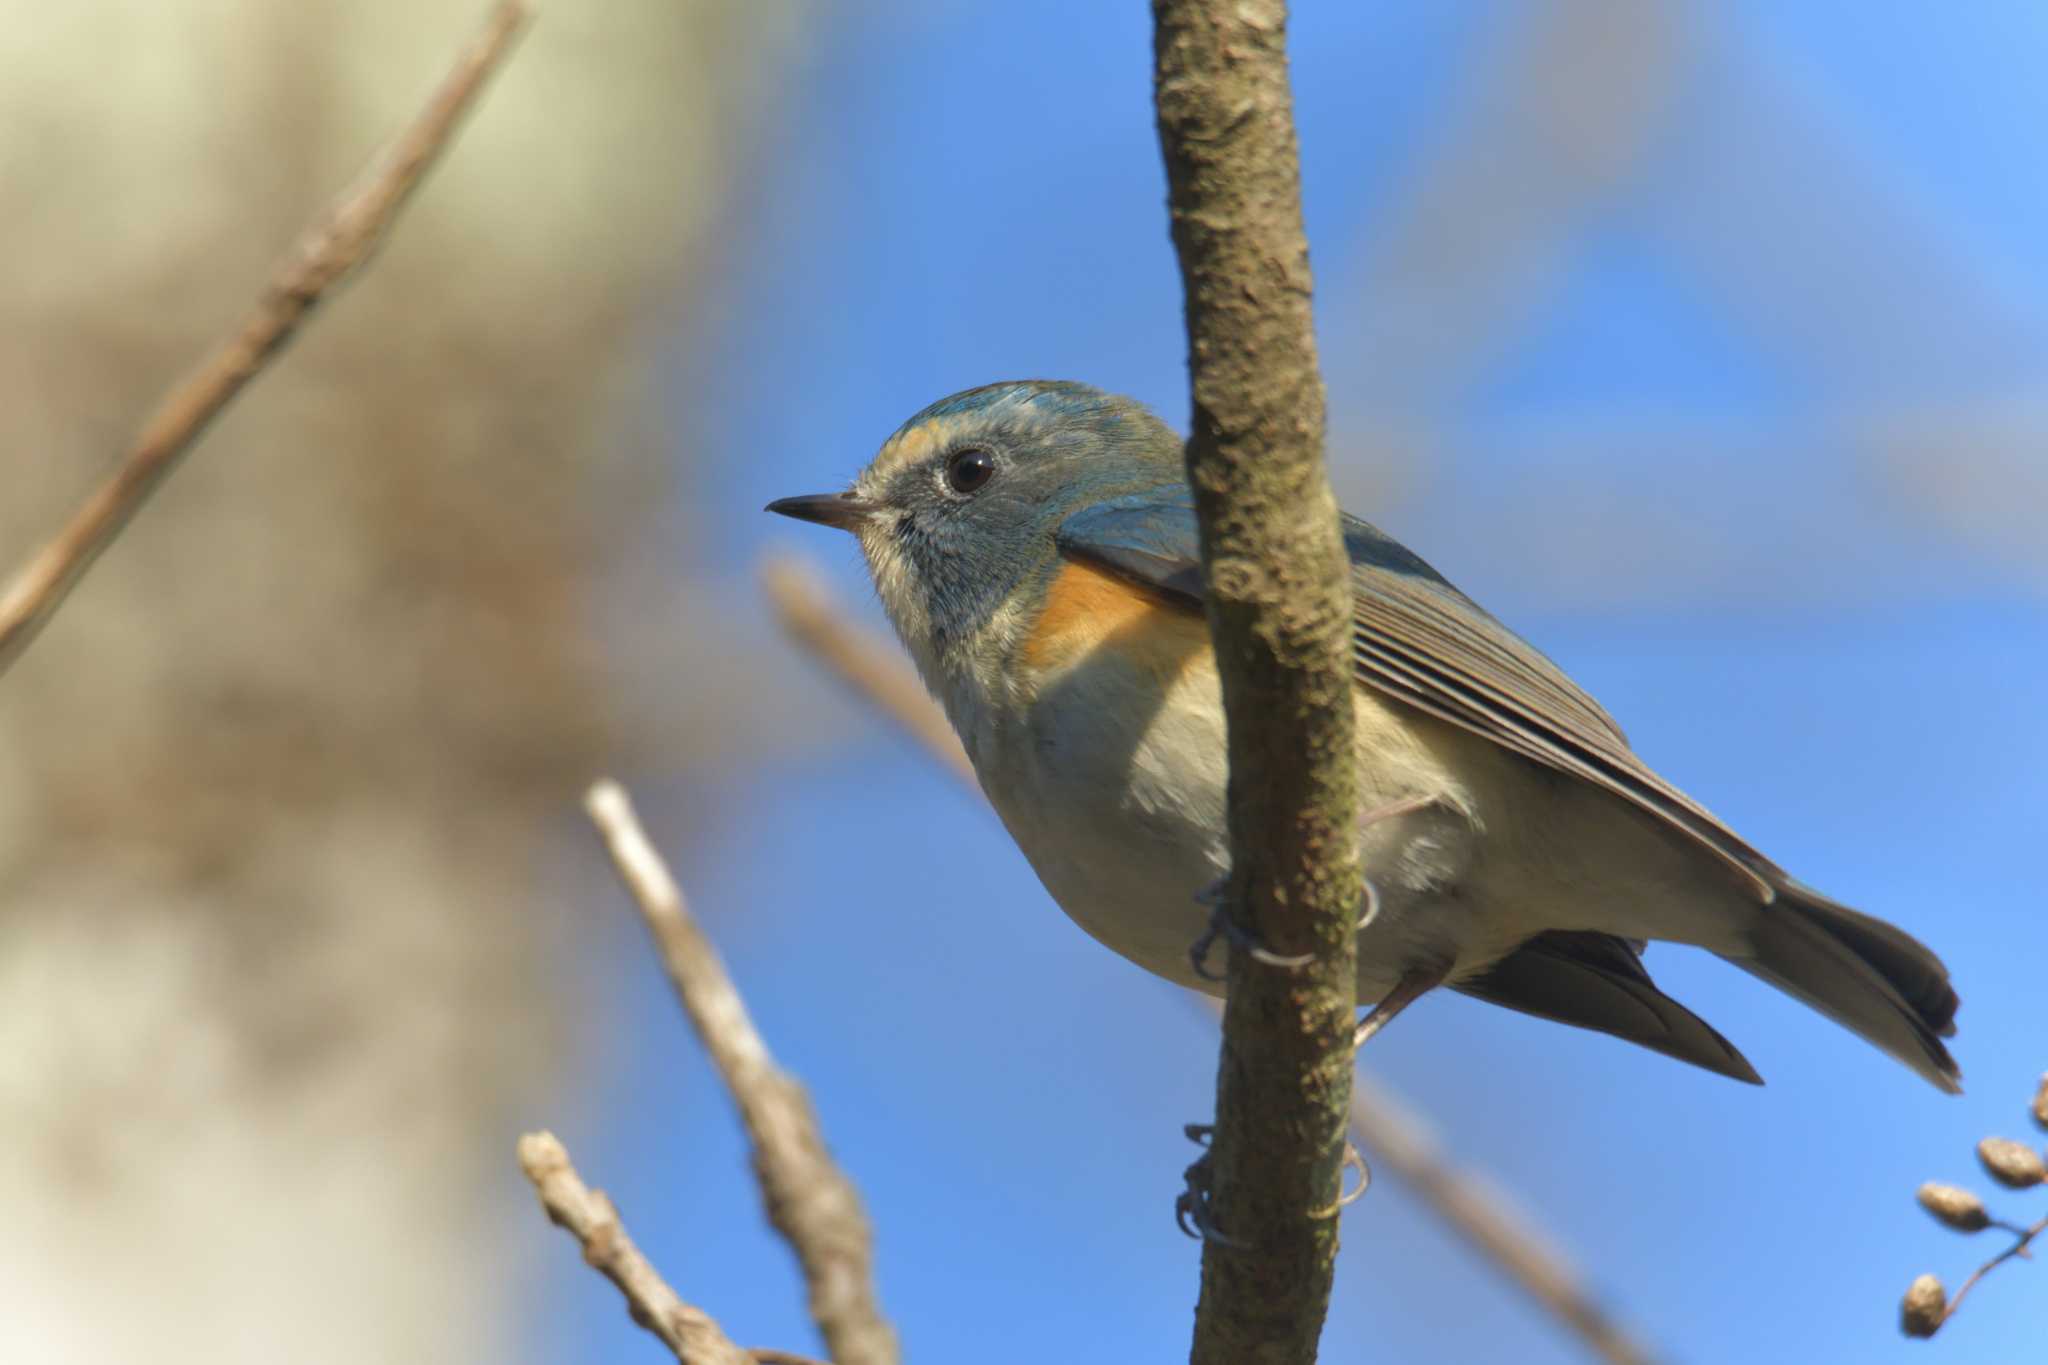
1034	544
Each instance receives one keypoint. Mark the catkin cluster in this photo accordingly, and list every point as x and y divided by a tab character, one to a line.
2013	1164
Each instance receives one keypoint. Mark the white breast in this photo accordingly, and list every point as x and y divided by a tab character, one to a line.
1111	780
1115	795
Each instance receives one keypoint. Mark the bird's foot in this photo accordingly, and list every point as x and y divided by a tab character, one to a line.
1192	1209
1222	926
1353	1161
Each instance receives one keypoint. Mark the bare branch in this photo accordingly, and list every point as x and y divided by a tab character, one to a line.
592	1220
2022	1239
868	666
1276	586
1380	1122
809	1199
1927	1307
1381	1125
342	238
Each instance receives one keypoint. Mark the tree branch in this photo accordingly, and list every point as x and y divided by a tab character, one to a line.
341	239
2022	1239
1380	1122
809	1199
1381	1125
591	1219
1280	610
870	667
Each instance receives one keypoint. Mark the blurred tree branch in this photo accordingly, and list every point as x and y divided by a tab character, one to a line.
333	246
869	666
810	1201
594	1222
1381	1124
1276	585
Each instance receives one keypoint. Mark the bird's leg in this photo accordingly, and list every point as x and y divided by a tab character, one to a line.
1391	810
1192	1208
1411	987
1414	984
1394	810
1221	925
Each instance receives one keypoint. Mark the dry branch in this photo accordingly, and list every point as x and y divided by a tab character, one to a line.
1279	607
1380	1123
1927	1306
2022	1240
870	667
340	240
590	1217
809	1199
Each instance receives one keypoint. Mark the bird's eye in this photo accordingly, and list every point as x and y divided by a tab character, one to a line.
967	470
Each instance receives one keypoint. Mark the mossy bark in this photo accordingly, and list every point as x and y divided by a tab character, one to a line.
1280	612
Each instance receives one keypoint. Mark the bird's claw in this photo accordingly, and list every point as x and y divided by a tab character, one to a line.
1191	1208
1353	1160
1372	904
1222	926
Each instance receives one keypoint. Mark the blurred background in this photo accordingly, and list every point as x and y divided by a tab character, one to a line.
1707	344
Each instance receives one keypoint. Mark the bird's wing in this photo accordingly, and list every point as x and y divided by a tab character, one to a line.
1419	640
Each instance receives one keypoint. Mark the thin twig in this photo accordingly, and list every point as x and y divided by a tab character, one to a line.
694	1337
868	666
809	1199
1380	1122
2019	1247
341	239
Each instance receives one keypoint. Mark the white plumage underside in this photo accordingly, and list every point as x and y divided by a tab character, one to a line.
1122	816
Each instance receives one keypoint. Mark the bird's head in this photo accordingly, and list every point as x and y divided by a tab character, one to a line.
957	512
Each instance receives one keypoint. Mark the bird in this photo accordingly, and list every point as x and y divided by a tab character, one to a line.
1034	544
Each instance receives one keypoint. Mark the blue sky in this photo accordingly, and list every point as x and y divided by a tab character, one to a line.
1640	395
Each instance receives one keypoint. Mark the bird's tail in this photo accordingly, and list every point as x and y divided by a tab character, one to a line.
1873	979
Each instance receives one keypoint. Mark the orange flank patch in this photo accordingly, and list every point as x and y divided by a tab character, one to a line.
1089	610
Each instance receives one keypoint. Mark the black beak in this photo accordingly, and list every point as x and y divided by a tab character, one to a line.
843	510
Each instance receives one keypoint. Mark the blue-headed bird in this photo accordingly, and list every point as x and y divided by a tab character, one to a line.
1034	544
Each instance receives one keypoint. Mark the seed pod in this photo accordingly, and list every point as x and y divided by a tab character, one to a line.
1921	1311
1954	1208
2012	1164
2041	1103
